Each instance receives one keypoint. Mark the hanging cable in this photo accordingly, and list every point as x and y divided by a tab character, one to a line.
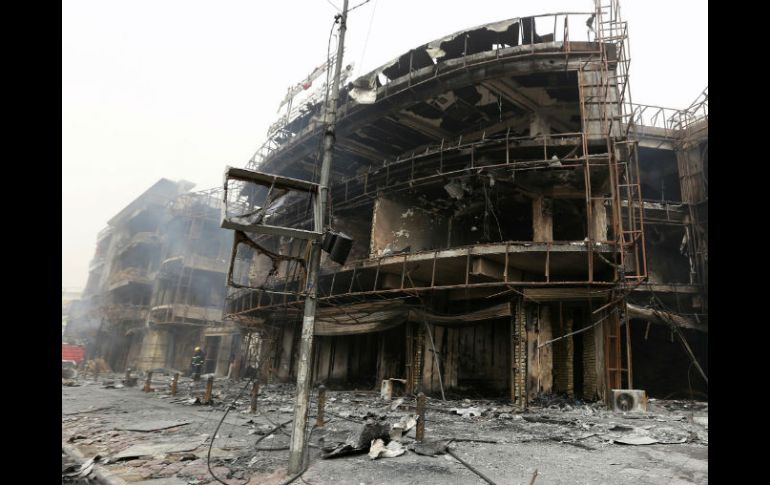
614	311
368	31
213	436
359	5
332	4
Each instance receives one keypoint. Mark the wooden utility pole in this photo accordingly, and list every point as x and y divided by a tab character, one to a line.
304	377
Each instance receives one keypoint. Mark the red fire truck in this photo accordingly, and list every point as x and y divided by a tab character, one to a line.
72	352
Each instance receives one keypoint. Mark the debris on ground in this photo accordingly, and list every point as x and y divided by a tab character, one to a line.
80	471
149	438
467	412
359	440
635	440
378	449
402	427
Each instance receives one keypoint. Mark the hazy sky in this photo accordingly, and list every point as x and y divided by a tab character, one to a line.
181	88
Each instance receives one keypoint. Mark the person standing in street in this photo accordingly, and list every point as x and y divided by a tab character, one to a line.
198	358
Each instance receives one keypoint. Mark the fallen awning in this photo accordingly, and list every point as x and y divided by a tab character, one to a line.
384	315
497	311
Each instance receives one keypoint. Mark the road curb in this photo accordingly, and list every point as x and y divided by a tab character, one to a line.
103	475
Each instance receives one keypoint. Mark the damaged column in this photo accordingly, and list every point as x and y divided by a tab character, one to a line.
154	351
542	219
598	220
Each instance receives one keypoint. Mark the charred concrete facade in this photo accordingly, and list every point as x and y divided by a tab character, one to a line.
189	289
517	226
156	285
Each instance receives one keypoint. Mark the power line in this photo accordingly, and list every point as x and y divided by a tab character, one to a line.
359	5
368	31
332	4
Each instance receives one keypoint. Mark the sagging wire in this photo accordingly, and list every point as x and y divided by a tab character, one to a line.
305	463
675	329
359	5
491	208
333	5
213	436
368	31
272	431
614	311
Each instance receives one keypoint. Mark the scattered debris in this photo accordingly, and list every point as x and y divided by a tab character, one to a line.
68	369
546	419
455	189
467	412
402	427
359	440
83	470
621	427
635	440
378	449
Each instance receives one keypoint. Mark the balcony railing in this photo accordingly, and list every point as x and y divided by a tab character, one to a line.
182	313
203	263
128	275
122	312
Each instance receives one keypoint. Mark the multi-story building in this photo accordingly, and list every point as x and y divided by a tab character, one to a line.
189	290
156	283
518	223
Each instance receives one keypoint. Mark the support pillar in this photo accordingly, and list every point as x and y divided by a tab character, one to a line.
542	219
599	220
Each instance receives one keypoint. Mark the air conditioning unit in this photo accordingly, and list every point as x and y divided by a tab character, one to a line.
629	400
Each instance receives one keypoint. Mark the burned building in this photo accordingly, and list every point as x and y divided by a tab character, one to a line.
156	284
189	289
519	226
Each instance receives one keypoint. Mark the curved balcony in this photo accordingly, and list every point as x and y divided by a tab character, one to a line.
488	268
194	261
446	77
116	313
128	276
181	313
140	239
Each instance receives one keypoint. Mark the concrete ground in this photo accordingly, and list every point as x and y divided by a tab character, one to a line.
156	439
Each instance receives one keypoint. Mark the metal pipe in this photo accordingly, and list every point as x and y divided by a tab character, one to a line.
209	387
420	431
471	468
174	384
